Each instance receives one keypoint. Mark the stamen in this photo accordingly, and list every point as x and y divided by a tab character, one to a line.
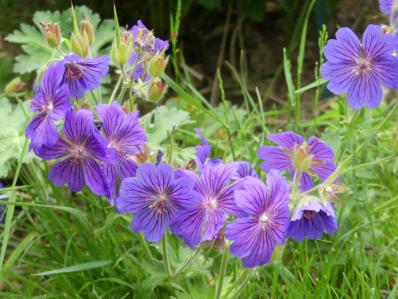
308	214
73	72
160	202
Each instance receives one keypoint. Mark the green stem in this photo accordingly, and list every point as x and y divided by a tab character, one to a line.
188	261
119	81
392	111
124	73
237	282
146	247
10	210
121	94
223	268
240	284
296	183
165	254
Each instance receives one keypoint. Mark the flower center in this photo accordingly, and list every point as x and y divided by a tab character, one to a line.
49	107
309	214
160	202
114	144
362	67
263	220
73	72
210	203
301	157
79	151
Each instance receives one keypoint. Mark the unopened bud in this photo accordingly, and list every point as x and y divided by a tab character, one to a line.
14	86
80	44
87	28
52	34
156	90
121	53
157	64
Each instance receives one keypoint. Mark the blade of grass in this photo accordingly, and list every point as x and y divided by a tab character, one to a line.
10	210
76	268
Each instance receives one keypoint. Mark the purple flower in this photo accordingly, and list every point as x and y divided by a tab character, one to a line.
126	136
386	6
154	197
145	40
244	169
138	70
311	219
314	157
361	68
84	74
51	103
264	220
202	218
146	45
81	149
202	151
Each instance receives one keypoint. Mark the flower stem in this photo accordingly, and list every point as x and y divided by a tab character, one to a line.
296	184
146	247
188	261
223	268
241	284
119	81
237	282
165	254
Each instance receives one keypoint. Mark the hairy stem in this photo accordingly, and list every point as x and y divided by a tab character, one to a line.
165	254
188	261
223	268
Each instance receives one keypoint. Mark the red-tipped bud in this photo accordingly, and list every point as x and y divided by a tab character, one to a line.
52	34
14	86
157	64
80	44
121	53
156	90
87	28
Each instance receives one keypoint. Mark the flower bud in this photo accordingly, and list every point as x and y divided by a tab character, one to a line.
14	86
52	34
157	64
156	90
80	44
87	29
121	53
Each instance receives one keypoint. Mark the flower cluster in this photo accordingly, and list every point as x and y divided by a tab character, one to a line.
99	146
95	147
197	205
362	68
146	60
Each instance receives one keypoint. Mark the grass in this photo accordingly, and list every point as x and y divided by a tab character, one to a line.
58	244
75	244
